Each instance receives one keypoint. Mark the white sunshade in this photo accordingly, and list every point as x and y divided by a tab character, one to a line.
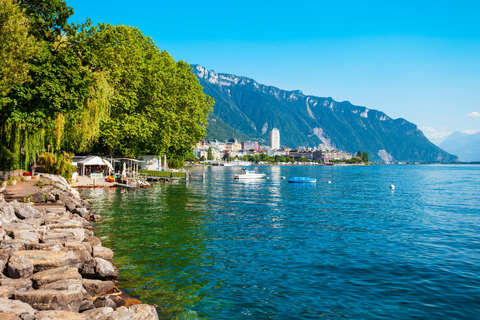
96	161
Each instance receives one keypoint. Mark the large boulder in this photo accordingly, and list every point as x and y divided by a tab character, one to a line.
64	235
19	266
82	212
10	315
4	256
19	285
53	275
67	285
44	260
59	315
98	287
99	313
98	268
44	299
27	236
102	252
104	301
21	309
26	212
79	250
136	312
7	213
6	292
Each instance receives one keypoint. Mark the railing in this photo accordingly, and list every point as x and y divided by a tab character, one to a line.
96	176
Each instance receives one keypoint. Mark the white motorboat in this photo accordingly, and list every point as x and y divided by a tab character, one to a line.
237	163
249	174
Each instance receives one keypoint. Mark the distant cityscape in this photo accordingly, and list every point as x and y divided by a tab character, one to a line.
231	149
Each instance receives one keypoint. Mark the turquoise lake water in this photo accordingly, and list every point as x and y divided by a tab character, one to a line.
351	249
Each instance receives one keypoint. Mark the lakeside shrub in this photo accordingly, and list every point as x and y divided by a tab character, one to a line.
59	164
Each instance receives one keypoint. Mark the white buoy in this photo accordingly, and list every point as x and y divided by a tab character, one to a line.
282	177
392	186
329	181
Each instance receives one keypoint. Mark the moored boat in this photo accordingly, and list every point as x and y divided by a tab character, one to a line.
302	180
249	174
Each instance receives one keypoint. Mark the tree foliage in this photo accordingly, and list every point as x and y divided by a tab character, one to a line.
104	87
17	47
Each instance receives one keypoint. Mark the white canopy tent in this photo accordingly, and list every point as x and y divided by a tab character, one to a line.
94	161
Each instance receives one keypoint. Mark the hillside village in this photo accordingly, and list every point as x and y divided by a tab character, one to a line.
233	149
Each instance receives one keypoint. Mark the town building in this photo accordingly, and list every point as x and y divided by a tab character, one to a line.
275	139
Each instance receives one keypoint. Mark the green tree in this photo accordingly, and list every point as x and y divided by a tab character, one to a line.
359	154
365	157
17	47
210	154
158	105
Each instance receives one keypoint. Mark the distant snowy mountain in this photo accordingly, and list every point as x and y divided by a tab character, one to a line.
465	146
246	108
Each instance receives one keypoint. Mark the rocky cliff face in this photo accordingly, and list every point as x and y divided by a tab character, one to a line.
252	109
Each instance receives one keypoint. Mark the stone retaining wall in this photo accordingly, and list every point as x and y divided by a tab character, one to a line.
52	266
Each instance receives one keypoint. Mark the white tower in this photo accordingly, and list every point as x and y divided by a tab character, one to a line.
275	139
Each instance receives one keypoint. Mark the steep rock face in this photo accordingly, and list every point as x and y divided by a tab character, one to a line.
253	109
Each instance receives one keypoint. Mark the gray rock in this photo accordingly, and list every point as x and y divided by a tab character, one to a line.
45	246
64	235
71	224
4	256
19	285
58	315
7	213
136	312
54	275
3	233
119	301
104	301
19	266
44	260
27	236
14	245
26	212
94	241
67	285
6	292
79	250
70	206
10	315
98	313
102	252
98	287
38	197
52	299
22	310
99	268
87	304
82	212
87	246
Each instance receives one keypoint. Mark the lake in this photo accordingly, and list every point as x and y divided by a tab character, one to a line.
349	249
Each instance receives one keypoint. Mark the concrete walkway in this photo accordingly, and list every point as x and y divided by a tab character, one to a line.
85	181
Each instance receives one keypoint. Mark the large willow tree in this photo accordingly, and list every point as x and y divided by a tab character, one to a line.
84	86
158	105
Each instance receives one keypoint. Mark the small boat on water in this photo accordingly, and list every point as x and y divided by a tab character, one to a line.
249	174
302	180
237	163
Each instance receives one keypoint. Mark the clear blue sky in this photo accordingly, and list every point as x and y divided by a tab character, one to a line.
418	60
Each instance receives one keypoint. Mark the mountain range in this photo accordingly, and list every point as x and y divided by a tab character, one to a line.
466	146
247	110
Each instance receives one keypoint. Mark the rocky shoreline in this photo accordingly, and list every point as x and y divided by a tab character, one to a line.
52	266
